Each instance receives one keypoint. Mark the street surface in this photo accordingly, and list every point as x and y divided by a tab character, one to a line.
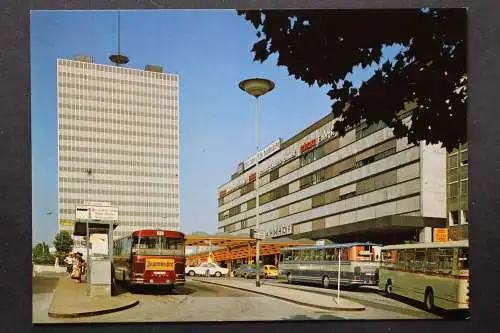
198	301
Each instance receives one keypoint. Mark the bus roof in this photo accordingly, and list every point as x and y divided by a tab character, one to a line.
460	243
328	246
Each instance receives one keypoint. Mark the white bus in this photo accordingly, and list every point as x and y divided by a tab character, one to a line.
435	273
359	264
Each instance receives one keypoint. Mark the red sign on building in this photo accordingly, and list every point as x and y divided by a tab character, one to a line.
308	145
222	193
252	176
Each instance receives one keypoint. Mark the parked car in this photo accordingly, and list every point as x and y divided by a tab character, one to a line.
270	271
212	268
247	271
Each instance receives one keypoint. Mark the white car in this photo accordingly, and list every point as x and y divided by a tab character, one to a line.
213	270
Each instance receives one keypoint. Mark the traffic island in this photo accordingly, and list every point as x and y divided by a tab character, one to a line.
71	301
323	302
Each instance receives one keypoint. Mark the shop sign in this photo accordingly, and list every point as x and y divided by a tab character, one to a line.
326	133
308	145
440	234
252	176
67	223
269	150
279	231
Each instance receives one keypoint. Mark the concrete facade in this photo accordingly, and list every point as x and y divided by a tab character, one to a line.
118	142
320	183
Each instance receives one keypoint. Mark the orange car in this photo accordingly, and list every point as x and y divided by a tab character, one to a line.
270	271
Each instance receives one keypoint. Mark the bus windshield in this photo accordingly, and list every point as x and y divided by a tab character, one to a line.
158	245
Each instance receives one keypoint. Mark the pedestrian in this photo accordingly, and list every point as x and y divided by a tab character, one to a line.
69	263
77	269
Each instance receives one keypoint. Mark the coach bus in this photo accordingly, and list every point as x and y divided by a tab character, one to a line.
436	274
149	257
359	264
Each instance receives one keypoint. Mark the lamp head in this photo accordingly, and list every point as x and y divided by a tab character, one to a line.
256	86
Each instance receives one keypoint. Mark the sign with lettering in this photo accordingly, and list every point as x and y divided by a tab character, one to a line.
279	231
308	145
269	150
67	223
440	234
105	213
321	135
252	176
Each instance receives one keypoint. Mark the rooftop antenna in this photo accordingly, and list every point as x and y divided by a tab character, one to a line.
119	59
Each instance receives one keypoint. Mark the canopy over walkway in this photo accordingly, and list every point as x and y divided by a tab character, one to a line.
232	247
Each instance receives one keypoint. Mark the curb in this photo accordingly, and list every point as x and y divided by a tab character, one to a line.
92	313
362	308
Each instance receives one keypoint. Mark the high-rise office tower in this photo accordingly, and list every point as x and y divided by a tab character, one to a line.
118	143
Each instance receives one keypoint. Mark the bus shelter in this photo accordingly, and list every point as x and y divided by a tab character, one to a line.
235	247
98	238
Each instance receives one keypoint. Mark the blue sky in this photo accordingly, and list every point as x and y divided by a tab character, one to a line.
210	50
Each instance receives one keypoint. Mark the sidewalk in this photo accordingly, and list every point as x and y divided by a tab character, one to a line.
70	300
324	302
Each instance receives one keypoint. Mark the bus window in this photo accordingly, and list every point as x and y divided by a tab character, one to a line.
306	255
410	260
445	260
418	265
317	254
329	254
401	259
387	259
463	258
344	254
432	261
364	252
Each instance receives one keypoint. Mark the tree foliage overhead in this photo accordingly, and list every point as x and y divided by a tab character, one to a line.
323	47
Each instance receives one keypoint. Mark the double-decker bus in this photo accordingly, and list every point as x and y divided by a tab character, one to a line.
435	273
149	257
359	264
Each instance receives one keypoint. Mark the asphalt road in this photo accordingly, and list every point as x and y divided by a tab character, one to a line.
199	301
194	302
378	305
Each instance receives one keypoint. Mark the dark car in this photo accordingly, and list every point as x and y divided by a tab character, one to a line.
247	271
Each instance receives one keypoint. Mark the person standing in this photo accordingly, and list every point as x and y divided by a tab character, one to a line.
69	264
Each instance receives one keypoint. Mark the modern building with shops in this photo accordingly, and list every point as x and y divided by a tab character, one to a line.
118	143
364	186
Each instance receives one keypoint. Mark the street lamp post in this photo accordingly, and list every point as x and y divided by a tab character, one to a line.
257	87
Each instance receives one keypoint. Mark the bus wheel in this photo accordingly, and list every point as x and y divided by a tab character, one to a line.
429	300
388	288
289	278
326	282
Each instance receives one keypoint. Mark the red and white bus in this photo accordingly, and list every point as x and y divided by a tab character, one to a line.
149	257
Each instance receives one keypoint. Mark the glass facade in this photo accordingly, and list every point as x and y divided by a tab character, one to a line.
319	181
118	142
457	190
